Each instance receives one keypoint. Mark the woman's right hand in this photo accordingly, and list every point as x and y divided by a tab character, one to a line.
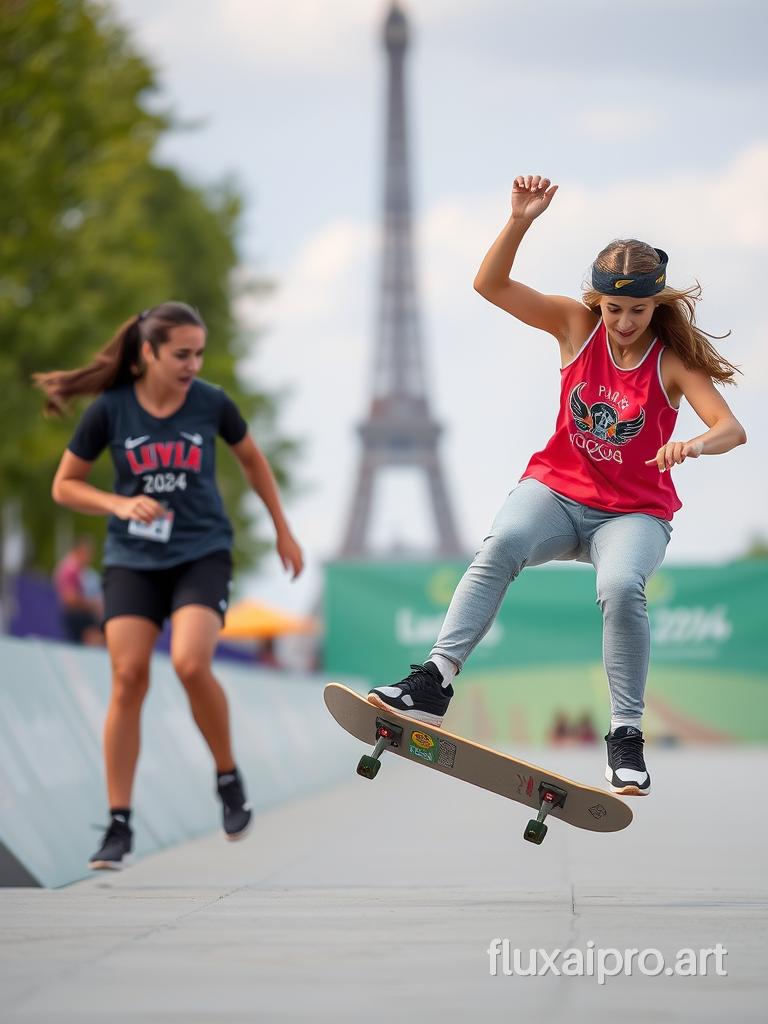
142	508
531	195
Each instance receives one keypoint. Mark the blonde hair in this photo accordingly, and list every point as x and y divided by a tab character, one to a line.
674	318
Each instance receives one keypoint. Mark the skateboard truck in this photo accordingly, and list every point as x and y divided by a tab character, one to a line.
550	796
387	735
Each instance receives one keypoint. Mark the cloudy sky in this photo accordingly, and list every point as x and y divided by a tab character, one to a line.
651	120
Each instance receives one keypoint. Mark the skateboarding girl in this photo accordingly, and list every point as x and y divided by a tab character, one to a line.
601	490
169	541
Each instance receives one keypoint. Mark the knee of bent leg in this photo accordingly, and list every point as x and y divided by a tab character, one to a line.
130	682
621	590
501	550
191	668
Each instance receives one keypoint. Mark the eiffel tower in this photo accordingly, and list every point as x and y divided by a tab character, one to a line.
400	429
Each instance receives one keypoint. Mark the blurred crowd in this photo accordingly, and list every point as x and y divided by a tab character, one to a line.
572	730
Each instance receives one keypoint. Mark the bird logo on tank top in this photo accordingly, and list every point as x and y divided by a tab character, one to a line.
603	422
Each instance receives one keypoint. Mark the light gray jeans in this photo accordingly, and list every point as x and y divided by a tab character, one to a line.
536	525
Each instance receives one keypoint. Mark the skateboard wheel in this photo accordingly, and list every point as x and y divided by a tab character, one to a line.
535	832
368	767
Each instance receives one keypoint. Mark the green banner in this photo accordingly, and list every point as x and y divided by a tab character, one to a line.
542	657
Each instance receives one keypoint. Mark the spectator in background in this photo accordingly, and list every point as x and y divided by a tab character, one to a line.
267	656
584	730
560	732
80	608
566	731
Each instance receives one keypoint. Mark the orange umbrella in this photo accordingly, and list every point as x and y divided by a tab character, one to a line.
252	620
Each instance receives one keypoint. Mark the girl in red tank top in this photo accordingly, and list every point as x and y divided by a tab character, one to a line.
601	490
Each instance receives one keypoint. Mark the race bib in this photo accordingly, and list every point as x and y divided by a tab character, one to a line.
158	530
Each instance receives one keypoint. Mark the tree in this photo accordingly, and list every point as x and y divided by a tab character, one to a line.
92	230
756	549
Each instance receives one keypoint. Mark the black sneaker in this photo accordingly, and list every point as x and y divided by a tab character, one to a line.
236	812
421	695
626	769
115	850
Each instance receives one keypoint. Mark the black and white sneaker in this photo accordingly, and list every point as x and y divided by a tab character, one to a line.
421	695
115	850
626	769
236	813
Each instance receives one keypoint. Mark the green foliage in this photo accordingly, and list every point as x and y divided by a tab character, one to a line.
756	549
93	229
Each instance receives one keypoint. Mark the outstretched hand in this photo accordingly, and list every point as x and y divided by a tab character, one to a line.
531	195
675	452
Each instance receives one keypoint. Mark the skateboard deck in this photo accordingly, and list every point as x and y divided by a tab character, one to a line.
546	792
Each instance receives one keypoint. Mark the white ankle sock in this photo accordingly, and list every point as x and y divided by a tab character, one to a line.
445	667
617	723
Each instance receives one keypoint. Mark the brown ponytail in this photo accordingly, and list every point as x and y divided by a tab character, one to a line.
119	362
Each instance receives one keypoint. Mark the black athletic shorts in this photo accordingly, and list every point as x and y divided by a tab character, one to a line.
156	594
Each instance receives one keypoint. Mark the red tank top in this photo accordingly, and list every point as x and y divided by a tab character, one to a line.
610	421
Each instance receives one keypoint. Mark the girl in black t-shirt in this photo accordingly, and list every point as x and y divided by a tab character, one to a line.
168	549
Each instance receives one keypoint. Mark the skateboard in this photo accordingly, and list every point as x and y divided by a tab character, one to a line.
546	792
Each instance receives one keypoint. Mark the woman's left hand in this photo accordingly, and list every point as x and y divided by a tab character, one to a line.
290	553
675	452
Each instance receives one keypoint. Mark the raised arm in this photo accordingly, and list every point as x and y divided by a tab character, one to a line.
563	317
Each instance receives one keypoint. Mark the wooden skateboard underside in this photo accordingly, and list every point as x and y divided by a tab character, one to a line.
583	806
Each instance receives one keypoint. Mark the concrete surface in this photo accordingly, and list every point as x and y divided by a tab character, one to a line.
381	898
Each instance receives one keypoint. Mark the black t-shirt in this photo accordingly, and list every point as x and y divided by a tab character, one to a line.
173	460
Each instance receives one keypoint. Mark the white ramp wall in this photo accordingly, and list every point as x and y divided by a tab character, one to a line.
53	700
